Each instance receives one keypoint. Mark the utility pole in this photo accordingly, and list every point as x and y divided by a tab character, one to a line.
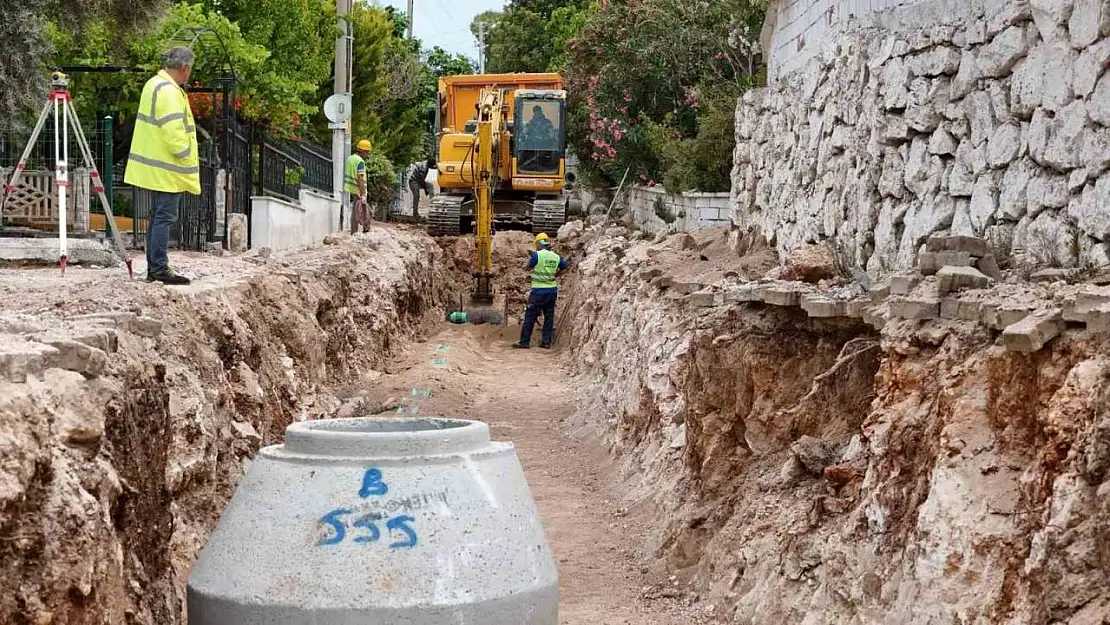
341	141
410	18
481	47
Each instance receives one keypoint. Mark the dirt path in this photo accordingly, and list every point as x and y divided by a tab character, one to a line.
471	372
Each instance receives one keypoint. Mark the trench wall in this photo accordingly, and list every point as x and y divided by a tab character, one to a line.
985	121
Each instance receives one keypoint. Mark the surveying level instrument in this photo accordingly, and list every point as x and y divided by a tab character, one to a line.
65	116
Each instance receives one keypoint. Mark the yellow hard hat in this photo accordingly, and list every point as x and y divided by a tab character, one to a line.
541	238
364	145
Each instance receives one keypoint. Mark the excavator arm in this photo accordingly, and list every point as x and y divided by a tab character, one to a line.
486	148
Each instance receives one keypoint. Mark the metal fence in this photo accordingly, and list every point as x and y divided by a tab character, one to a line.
256	162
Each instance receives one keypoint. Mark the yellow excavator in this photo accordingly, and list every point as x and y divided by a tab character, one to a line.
506	165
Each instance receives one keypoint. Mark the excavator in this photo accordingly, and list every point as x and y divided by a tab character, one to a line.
505	166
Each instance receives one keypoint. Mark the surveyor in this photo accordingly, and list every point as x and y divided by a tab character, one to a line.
545	265
354	183
164	158
418	181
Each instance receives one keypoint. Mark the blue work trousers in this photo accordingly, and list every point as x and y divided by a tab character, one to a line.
162	221
539	303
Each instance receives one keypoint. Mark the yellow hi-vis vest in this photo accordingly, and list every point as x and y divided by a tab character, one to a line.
350	175
164	155
543	274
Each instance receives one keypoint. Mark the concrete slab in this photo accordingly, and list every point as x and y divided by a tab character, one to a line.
903	284
744	293
33	250
1033	332
705	299
783	295
916	308
821	307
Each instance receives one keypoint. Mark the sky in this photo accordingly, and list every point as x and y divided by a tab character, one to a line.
446	23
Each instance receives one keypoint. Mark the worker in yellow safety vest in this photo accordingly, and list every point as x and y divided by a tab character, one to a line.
354	183
545	266
164	158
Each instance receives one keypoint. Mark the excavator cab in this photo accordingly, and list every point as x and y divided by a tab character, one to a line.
540	137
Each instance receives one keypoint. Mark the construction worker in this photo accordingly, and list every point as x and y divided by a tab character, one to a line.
418	181
354	183
164	157
545	266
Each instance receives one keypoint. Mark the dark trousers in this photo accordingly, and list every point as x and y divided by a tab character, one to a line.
539	303
162	220
416	187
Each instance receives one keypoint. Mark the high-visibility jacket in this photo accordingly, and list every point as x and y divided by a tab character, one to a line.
543	274
355	167
164	155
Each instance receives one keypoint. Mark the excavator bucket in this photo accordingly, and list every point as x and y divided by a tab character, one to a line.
469	311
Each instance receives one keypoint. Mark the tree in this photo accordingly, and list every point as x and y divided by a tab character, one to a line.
24	29
530	35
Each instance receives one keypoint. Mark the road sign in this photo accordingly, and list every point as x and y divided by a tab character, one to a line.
337	108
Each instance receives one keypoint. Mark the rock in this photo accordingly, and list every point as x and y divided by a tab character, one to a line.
1005	146
967	77
783	295
928	263
1083	26
1044	190
742	294
332	239
811	264
821	307
237	232
1095	154
1011	13
1090	212
998	57
145	326
974	246
921	308
682	242
840	475
988	265
1051	275
244	429
980	114
1100	101
20	358
1045	79
571	230
935	62
984	202
265	252
1033	332
1058	142
1050	16
1089	66
894	80
815	454
959	310
679	439
952	279
903	284
1012	196
686	288
942	143
1045	241
74	356
705	299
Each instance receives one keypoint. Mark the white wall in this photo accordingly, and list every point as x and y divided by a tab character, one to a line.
281	225
691	211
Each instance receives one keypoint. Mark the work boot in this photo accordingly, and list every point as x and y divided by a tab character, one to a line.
168	277
519	345
545	345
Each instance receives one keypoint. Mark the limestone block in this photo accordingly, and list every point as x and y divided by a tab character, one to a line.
783	295
935	62
967	76
1051	16
1047	240
1045	190
893	174
1011	13
904	283
952	279
876	316
1005	146
1091	210
895	130
705	299
1012	197
980	114
929	263
984	201
854	308
942	143
989	266
1089	66
1033	332
741	294
1076	181
920	308
1100	101
974	246
1051	275
74	356
1099	319
1085	302
959	309
895	78
145	326
20	358
880	291
819	306
1045	78
237	232
1058	142
1083	26
1095	153
998	57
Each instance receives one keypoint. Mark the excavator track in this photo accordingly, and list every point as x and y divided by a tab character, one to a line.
548	216
444	217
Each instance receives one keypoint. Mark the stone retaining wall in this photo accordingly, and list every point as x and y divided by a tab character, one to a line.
995	125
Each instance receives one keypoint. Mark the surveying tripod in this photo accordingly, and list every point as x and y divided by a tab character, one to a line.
66	115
